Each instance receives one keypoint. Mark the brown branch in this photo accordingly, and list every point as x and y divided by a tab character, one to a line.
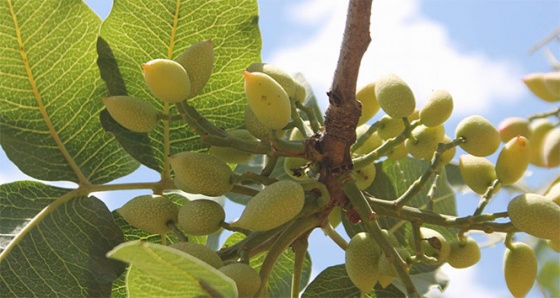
341	117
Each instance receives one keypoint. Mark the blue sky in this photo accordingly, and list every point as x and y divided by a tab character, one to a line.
477	50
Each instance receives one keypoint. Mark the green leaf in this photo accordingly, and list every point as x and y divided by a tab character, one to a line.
51	94
64	254
160	271
141	30
280	280
332	282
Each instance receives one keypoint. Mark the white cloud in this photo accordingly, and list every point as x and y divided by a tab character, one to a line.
463	282
406	43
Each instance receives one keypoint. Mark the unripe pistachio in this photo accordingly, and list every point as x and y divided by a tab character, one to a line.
247	279
275	205
279	75
254	126
233	155
394	96
132	113
364	176
370	106
423	141
434	244
201	173
371	143
464	253
540	128
544	85
553	192
551	148
386	264
268	100
512	127
536	215
201	217
513	160
296	168
448	154
520	269
385	280
167	80
481	137
478	172
391	127
397	152
437	108
554	244
199	251
362	259
150	213
198	61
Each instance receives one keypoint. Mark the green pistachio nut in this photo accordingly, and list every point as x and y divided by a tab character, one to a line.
481	138
150	213
513	160
464	253
478	172
520	269
544	85
423	141
201	252
201	173
201	217
536	215
275	205
279	75
540	128
512	127
370	106
394	96
268	100
437	108
132	113
167	80
362	259
551	148
198	61
247	279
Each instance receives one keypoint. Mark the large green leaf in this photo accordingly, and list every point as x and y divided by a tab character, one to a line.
50	93
142	30
280	280
160	271
64	255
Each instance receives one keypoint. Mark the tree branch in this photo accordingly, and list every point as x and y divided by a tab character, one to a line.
341	117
